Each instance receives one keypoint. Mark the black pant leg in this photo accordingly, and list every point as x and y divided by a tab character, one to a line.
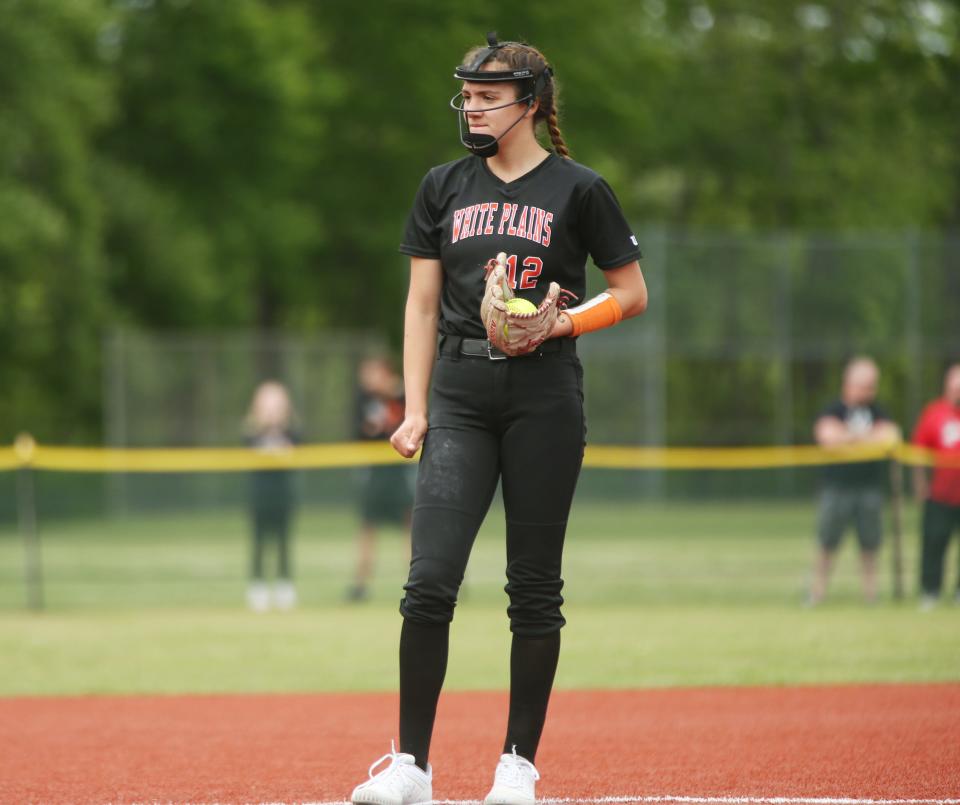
259	538
456	479
956	530
541	456
455	484
283	544
937	524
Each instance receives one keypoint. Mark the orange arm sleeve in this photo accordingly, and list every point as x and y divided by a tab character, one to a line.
601	311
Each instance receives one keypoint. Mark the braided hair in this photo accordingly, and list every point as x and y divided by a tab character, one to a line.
517	56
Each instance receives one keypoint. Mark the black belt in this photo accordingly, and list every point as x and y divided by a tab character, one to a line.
455	345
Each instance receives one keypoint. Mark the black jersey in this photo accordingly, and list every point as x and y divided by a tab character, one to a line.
547	222
859	420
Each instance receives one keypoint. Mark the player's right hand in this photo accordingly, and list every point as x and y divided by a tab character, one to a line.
408	438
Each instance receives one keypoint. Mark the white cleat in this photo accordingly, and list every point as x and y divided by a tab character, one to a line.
928	602
403	782
514	781
284	595
258	596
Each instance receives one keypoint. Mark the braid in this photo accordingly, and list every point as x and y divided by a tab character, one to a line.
556	137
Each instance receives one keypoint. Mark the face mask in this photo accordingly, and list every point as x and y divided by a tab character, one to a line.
486	145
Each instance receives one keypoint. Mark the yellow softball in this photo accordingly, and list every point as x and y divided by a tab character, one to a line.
518	305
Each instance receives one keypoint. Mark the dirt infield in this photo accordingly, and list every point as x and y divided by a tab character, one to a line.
862	742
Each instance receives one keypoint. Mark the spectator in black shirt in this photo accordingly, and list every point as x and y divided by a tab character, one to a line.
852	493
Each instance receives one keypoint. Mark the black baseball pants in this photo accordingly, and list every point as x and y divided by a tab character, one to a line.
517	420
270	524
940	520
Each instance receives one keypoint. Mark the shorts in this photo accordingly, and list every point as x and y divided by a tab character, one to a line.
386	495
842	508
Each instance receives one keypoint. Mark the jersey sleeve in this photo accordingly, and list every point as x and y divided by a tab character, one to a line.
604	229
422	235
835	410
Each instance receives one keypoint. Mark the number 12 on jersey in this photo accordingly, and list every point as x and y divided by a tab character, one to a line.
532	266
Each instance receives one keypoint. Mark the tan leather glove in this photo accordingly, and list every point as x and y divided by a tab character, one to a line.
498	287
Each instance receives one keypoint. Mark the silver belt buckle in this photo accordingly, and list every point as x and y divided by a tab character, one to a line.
491	356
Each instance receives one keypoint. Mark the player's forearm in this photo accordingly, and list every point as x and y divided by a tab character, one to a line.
625	297
632	301
419	352
831	432
885	432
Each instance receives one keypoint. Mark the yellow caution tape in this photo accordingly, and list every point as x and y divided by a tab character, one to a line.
227	459
9	460
26	453
694	458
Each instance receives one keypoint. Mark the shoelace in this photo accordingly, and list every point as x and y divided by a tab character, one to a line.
391	756
511	772
394	775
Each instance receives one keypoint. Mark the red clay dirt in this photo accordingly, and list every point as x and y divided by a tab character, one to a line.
873	741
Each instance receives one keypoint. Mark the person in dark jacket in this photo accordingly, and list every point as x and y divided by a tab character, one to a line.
269	428
386	494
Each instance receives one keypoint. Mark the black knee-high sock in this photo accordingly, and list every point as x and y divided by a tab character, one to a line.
423	665
533	663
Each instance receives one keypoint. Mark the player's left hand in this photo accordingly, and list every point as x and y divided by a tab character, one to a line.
521	333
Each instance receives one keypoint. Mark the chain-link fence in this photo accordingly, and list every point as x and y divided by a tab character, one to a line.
744	341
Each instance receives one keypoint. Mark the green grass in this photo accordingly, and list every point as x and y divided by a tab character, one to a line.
657	595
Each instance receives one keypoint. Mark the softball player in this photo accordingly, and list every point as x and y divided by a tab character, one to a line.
506	397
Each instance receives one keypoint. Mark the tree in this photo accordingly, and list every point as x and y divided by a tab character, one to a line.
224	120
56	98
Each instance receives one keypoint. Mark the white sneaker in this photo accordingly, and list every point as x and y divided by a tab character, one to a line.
513	781
403	782
258	596
928	602
284	595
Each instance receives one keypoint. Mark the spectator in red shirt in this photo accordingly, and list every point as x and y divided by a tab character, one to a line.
939	430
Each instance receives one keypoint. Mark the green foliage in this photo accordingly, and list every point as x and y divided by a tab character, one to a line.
224	114
56	98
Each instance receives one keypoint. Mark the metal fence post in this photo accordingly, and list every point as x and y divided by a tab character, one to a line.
913	338
27	517
896	526
654	428
117	347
